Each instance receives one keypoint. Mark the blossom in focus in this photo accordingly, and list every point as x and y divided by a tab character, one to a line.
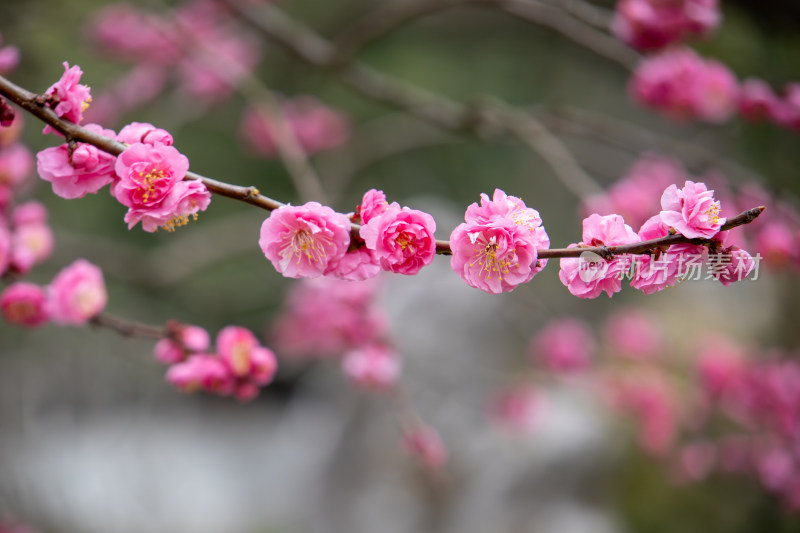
151	184
24	304
315	126
589	275
373	367
356	265
402	239
372	204
144	132
302	241
496	248
84	170
564	346
77	294
734	264
692	210
70	98
684	86
655	272
654	24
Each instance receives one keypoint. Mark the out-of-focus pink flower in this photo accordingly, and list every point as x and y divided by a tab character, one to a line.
355	265
402	239
636	195
775	242
77	294
234	345
185	340
373	367
654	24
721	368
589	275
496	249
9	57
32	243
565	346
70	98
263	365
202	372
315	126
141	85
169	351
16	164
74	175
692	211
633	333
695	461
133	35
424	443
372	204
144	132
731	265
516	408
303	241
684	86
651	400
24	304
757	100
211	73
32	212
326	317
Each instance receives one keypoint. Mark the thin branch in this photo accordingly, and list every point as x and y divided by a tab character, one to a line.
129	328
30	102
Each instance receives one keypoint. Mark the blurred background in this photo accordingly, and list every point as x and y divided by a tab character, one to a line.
92	438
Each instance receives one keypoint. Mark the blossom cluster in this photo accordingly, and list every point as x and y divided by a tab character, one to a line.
758	101
315	126
654	24
313	240
335	319
166	47
147	177
239	367
75	296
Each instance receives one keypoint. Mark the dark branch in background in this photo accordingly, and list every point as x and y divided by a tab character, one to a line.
30	102
487	116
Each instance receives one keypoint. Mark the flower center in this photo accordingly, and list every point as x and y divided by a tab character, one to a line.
312	247
486	258
713	213
148	184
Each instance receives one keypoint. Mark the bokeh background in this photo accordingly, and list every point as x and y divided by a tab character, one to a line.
93	439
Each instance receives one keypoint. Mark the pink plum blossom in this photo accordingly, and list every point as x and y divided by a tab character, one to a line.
69	98
402	239
184	340
373	204
589	275
24	304
234	345
775	242
83	171
731	265
263	365
684	86
653	24
16	164
144	132
143	84
315	126
202	372
9	57
651	400
656	272
124	31
564	346
692	211
303	241
757	100
372	367
151	184
169	351
32	243
77	294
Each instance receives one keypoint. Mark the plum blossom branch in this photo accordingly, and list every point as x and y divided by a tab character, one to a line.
32	103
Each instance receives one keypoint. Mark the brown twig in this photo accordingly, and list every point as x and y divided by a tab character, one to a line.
129	328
